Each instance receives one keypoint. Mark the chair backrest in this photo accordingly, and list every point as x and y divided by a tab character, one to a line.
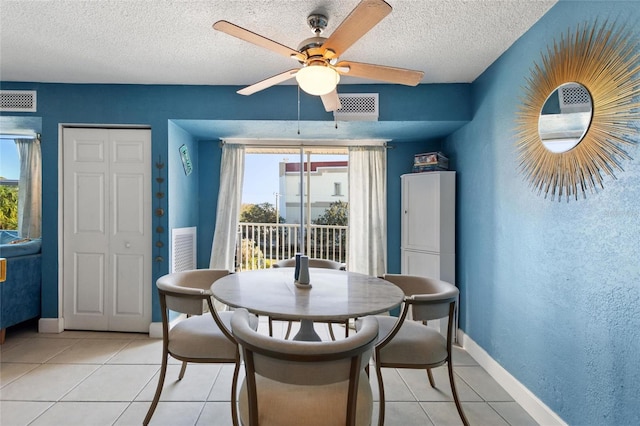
313	263
304	363
429	298
184	291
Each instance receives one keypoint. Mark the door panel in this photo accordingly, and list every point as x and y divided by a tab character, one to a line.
128	271
421	263
86	238
421	226
88	284
89	213
128	209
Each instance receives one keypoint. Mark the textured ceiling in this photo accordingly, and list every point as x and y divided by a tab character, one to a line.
172	42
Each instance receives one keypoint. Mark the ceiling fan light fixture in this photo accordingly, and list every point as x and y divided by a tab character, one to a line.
317	80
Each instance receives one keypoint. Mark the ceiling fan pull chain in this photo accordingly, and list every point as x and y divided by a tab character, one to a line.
298	109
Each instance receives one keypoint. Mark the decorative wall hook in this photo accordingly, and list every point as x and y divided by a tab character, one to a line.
159	211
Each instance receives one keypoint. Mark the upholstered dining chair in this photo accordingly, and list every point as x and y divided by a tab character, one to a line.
313	263
292	383
409	343
202	337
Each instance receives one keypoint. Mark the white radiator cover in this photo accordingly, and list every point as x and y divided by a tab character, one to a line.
183	249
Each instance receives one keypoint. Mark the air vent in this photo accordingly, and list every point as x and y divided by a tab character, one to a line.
183	249
357	107
574	98
18	100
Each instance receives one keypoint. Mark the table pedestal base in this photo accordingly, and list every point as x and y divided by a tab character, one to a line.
307	332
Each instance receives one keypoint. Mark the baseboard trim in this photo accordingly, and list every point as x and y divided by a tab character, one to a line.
50	325
155	328
523	396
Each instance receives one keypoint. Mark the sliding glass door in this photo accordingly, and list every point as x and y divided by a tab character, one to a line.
295	199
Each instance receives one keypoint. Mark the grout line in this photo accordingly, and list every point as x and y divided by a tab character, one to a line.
322	330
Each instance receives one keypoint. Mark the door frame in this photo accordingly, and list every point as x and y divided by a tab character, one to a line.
56	325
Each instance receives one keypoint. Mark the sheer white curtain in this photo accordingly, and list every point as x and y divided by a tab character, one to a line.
367	210
30	188
223	249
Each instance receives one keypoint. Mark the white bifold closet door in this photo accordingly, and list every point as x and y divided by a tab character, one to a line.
107	229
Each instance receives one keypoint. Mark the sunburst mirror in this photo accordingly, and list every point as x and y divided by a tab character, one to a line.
579	109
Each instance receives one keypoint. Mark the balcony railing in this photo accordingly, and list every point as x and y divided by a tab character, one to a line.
262	244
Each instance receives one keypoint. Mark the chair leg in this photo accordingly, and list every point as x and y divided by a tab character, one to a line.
286	336
381	392
465	422
431	381
270	327
234	394
346	329
182	370
156	397
333	337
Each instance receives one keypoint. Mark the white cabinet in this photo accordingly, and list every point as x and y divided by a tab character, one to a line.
428	225
428	242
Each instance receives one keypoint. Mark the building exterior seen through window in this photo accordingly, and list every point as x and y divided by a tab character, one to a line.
293	201
337	189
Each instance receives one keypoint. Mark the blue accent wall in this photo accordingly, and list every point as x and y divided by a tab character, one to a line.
182	188
551	290
209	175
404	111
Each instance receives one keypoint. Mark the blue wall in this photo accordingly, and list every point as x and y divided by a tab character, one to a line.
209	175
194	198
182	188
551	290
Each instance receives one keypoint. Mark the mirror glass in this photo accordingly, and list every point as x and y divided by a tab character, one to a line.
565	117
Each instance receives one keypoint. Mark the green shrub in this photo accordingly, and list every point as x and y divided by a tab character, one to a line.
8	207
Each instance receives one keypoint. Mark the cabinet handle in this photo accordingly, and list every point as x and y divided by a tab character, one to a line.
127	245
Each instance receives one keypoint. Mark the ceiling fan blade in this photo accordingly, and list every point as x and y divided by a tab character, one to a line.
365	16
380	72
268	82
331	101
257	39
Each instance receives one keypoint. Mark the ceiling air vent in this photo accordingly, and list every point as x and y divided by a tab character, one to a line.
574	98
357	107
18	100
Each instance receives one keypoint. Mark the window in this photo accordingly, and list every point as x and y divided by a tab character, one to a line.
9	177
20	168
289	204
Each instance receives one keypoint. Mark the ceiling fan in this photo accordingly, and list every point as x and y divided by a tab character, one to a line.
321	71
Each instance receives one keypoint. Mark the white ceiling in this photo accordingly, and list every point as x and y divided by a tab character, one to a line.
172	42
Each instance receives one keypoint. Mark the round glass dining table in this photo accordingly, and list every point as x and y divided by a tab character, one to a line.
331	295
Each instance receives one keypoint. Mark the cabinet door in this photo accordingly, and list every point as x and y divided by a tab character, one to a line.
421	263
421	212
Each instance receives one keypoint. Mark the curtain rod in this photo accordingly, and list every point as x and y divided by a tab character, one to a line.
297	143
19	135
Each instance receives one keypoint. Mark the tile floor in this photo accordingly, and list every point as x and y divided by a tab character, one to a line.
100	378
